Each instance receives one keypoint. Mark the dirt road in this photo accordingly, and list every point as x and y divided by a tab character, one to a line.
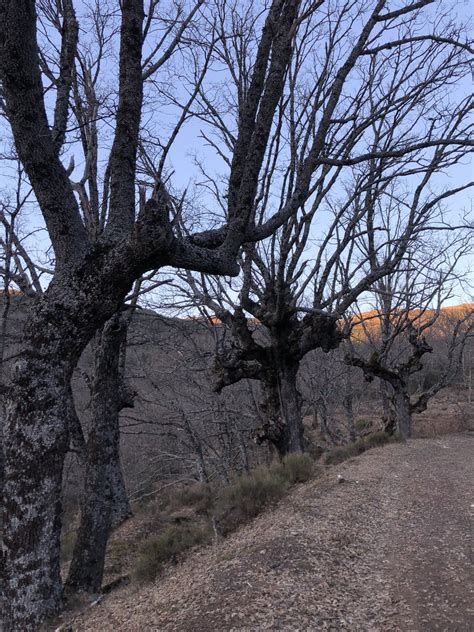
390	548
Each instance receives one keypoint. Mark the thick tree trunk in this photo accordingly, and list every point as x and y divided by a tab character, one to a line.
291	412
2	458
349	404
104	499
35	443
36	432
389	414
283	425
121	509
401	402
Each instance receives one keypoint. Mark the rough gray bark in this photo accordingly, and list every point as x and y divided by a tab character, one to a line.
36	440
348	402
290	402
398	407
37	432
93	275
121	509
389	418
104	502
398	402
403	411
275	365
281	408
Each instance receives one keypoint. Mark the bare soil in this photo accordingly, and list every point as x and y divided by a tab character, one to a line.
388	547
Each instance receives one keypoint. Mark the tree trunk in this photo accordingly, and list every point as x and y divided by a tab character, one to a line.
349	404
121	509
104	501
389	414
35	444
401	402
291	412
36	433
283	426
2	459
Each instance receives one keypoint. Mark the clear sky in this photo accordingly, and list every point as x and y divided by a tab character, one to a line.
189	144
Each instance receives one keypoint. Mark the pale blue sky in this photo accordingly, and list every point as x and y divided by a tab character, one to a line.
188	143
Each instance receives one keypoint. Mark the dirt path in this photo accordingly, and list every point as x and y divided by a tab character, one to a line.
388	549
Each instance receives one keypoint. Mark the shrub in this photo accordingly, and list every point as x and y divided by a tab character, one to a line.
156	551
248	496
375	439
362	424
342	453
297	468
225	508
372	440
198	496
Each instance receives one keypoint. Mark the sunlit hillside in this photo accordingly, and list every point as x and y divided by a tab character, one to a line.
368	323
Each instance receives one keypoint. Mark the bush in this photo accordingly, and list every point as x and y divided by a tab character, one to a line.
342	453
248	496
297	468
225	508
157	551
375	439
372	440
362	424
198	496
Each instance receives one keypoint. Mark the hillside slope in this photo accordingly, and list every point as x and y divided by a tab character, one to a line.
386	549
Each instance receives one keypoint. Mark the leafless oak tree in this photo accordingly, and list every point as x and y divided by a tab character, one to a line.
364	127
393	338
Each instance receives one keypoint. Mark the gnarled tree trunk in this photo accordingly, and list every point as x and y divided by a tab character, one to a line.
402	407
389	416
121	509
36	439
37	430
291	413
283	426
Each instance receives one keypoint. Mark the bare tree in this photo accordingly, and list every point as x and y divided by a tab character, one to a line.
94	274
206	437
408	307
354	151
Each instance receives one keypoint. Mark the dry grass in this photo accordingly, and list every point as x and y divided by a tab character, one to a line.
199	510
167	547
372	440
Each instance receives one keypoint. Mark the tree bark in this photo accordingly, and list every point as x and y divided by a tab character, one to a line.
121	509
401	402
348	402
36	439
104	499
291	413
37	430
389	416
283	426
